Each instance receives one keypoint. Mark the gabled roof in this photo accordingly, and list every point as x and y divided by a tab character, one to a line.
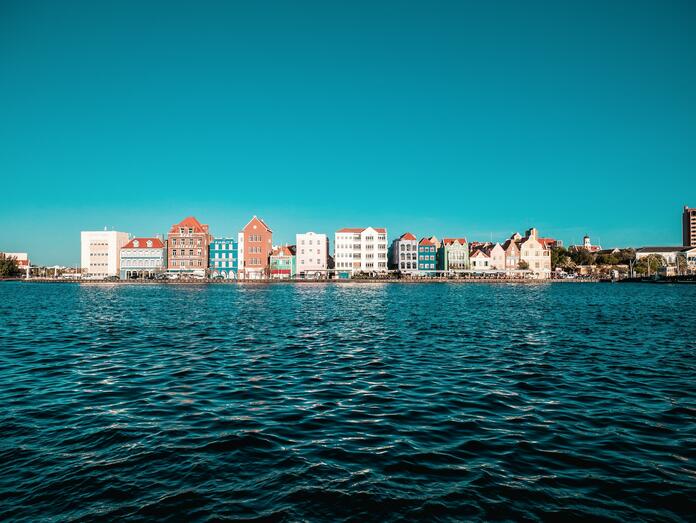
260	221
191	222
507	243
426	241
284	250
142	243
450	241
407	236
358	230
478	253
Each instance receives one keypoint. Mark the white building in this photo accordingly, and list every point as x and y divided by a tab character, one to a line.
403	255
361	250
312	255
143	258
100	252
670	254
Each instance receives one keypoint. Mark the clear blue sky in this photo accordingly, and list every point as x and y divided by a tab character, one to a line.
445	118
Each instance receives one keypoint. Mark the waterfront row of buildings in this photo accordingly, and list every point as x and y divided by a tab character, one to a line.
190	249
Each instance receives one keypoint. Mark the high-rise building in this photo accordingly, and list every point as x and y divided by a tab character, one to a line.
689	226
187	246
100	253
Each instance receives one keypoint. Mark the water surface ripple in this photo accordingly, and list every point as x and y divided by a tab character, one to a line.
359	401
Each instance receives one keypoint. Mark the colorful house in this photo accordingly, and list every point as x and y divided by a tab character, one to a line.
535	254
480	260
453	255
223	258
254	247
497	257
403	254
312	255
512	253
187	247
143	258
282	262
427	256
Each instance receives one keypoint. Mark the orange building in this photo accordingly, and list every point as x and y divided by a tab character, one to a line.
255	247
187	247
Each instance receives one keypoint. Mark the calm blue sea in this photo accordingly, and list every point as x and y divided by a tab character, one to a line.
364	402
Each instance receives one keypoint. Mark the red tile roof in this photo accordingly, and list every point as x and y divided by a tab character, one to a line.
407	236
426	241
191	222
450	241
285	250
142	243
381	230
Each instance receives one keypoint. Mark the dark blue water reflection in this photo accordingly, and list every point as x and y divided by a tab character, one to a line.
368	402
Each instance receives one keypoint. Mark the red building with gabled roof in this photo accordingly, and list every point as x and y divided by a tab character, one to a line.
255	247
187	246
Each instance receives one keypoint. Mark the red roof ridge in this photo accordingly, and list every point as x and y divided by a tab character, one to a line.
260	221
156	243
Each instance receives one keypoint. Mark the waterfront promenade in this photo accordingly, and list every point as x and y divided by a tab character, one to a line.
335	281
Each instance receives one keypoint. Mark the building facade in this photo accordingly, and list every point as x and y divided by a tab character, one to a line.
312	255
187	247
427	257
282	262
143	258
670	255
497	256
100	253
535	254
403	254
586	245
689	227
512	252
479	260
453	255
255	244
222	258
22	259
360	250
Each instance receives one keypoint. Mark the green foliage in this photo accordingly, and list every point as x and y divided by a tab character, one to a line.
560	257
650	264
582	257
523	265
9	267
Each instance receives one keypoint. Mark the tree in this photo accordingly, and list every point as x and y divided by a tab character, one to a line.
682	266
9	267
607	259
557	255
625	256
650	264
582	257
523	265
